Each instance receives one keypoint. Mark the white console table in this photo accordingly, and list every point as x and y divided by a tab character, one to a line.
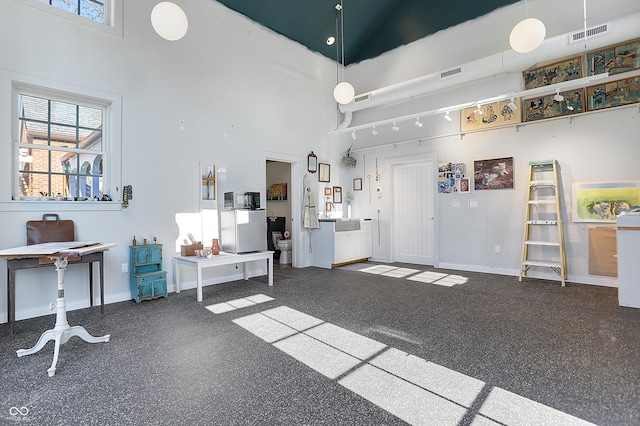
218	260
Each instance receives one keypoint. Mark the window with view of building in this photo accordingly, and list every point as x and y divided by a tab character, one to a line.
91	9
60	149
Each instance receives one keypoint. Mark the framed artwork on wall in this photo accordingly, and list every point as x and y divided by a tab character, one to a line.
337	194
324	174
613	94
312	163
566	70
496	173
603	201
550	106
277	192
495	114
614	59
327	191
357	184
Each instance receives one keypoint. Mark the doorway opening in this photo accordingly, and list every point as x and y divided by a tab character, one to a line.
279	198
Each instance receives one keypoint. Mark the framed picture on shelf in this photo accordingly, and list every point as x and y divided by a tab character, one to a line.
550	106
357	184
324	174
614	59
337	194
566	70
327	191
613	94
312	163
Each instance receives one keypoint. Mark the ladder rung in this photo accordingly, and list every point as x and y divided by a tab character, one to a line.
542	222
542	201
543	182
542	163
542	263
542	243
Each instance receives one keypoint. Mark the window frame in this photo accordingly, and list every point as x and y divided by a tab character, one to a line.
113	12
11	86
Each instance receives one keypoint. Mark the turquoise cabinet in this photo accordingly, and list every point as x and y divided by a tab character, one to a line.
148	280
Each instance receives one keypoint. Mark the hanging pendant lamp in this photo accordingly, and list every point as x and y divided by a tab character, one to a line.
169	21
528	34
344	92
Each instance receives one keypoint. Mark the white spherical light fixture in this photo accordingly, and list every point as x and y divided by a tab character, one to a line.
169	21
344	93
527	35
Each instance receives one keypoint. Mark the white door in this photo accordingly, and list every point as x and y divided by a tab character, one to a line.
413	224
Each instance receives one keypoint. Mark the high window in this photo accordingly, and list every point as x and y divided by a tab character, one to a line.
91	9
60	148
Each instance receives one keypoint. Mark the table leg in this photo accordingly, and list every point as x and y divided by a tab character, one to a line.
62	332
101	263
91	284
270	266
11	301
176	274
199	282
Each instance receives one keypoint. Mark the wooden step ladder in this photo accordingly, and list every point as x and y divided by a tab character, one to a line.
543	213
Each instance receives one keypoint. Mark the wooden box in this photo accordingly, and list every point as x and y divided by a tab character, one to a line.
189	249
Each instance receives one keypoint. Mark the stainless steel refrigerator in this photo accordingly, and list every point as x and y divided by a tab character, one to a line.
243	230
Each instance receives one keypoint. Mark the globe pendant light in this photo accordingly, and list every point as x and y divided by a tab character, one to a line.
527	35
169	21
344	92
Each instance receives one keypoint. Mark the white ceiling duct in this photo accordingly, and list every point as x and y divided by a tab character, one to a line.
508	61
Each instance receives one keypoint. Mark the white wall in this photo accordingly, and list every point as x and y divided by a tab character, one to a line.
244	93
590	147
247	94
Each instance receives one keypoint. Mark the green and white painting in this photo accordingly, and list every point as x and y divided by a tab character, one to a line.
603	201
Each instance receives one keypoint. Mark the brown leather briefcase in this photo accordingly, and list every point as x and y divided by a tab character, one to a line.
50	229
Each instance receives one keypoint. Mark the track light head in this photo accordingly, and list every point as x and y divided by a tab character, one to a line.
512	106
447	116
478	110
374	132
353	135
395	127
558	97
331	40
418	123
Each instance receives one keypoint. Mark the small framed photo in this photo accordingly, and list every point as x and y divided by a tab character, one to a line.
325	173
327	191
357	184
464	185
337	194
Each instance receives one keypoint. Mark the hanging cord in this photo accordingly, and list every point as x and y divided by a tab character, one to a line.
378	226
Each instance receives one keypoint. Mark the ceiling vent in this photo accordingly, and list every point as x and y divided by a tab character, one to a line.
591	32
450	73
361	98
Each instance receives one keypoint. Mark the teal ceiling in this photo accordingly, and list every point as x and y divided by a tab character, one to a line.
371	27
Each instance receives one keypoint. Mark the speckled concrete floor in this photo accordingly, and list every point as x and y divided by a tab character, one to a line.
172	361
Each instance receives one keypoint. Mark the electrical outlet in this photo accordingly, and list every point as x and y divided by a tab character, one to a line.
125	268
497	249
